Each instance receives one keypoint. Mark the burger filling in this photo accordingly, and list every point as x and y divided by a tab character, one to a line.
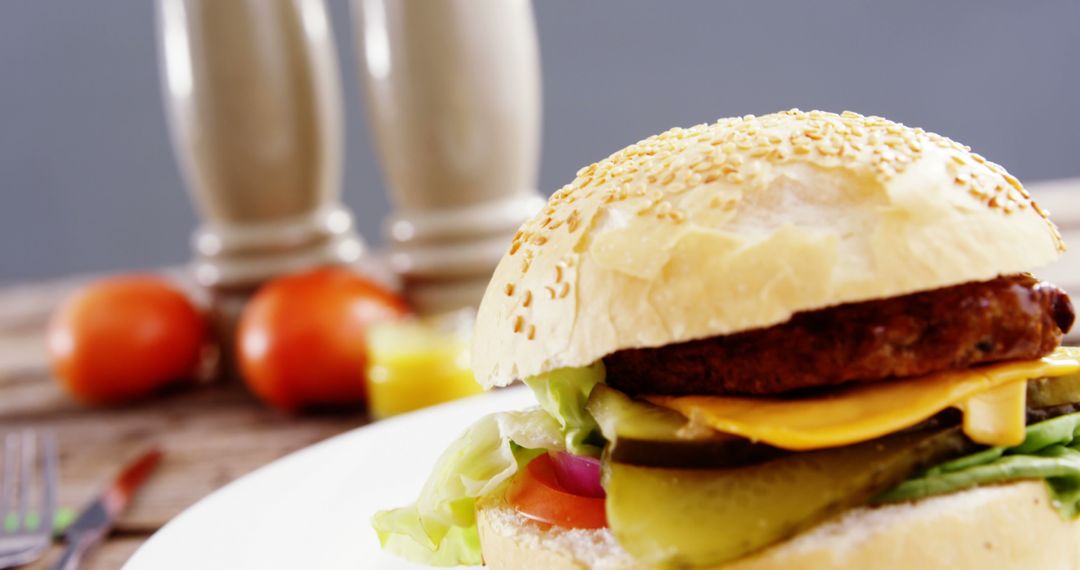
713	449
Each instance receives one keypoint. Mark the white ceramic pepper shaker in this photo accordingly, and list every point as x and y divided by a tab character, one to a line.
453	92
253	96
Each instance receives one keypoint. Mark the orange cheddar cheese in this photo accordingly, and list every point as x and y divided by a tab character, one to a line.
991	397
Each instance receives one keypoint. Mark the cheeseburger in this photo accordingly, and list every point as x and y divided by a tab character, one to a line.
800	340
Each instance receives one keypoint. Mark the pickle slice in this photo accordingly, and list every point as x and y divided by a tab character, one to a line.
640	433
620	416
700	517
1048	392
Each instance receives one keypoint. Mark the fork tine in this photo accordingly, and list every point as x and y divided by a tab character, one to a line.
27	450
27	492
51	480
7	481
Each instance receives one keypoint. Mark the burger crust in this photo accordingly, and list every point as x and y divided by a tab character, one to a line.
739	225
1003	527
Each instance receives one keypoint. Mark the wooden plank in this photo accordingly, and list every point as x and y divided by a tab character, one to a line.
211	435
26	307
109	556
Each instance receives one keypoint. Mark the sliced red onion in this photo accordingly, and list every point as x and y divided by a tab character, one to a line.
578	475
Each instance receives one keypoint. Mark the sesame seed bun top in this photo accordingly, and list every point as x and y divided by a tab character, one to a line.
735	225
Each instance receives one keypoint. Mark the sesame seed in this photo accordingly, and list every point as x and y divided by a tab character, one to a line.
741	150
573	221
509	289
519	323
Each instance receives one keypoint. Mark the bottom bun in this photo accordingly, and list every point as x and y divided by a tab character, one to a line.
1009	526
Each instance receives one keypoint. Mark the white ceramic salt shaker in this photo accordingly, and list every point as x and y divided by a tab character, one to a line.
253	96
453	93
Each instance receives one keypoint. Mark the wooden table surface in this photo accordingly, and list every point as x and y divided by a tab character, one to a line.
213	434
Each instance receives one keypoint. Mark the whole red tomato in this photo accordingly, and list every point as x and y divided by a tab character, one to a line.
121	338
300	340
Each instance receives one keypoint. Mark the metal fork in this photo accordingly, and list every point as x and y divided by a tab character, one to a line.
28	486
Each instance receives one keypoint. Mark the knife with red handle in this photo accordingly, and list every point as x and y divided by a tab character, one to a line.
97	519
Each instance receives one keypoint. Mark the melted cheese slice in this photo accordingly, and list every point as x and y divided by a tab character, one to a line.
997	416
991	397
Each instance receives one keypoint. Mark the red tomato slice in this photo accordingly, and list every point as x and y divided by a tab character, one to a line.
537	494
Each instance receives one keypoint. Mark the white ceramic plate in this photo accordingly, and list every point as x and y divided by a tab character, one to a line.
311	509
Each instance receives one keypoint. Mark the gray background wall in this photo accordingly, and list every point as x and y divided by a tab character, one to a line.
88	182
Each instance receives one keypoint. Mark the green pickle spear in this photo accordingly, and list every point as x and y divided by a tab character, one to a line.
1047	392
640	433
1063	390
676	518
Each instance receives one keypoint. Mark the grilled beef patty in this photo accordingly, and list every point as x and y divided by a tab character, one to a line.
1013	317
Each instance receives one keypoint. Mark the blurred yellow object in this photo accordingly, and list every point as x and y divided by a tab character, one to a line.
414	364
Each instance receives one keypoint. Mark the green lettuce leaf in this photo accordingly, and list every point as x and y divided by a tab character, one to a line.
439	529
563	393
1050	451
